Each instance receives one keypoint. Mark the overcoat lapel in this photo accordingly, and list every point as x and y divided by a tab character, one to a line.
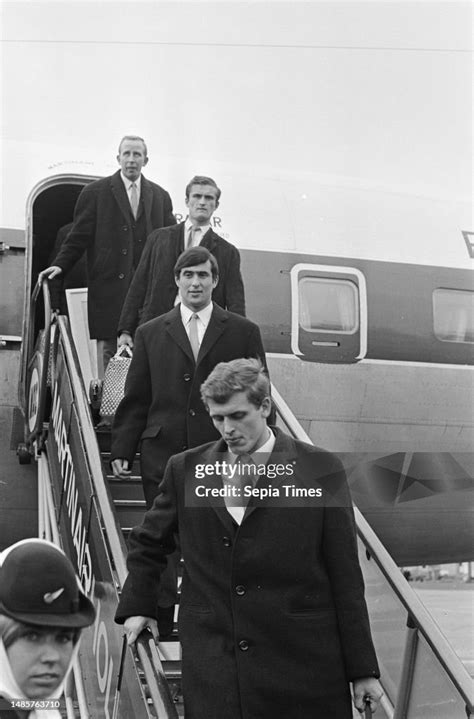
177	332
215	480
120	194
146	195
284	452
209	240
215	328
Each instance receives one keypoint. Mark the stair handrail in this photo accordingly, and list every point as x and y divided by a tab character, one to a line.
41	287
149	658
427	627
150	661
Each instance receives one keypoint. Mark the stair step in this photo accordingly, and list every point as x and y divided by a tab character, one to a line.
129	518
123	493
130	507
172	669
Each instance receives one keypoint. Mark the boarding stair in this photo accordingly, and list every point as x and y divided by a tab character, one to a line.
130	506
82	508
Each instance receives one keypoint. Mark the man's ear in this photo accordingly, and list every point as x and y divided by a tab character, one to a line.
266	406
118	159
145	161
215	280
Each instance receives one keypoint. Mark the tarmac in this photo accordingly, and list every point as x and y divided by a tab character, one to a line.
451	604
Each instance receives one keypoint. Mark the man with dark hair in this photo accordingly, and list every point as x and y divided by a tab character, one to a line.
173	355
162	407
112	220
153	291
272	618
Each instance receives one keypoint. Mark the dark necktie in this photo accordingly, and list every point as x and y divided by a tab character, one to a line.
243	478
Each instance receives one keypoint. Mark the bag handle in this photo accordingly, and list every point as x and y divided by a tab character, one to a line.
123	349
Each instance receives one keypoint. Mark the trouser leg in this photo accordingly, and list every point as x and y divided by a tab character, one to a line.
152	470
106	348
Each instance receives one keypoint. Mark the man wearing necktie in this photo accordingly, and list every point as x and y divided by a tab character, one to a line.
112	220
272	618
153	290
162	409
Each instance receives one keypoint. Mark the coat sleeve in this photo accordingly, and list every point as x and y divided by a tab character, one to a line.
136	294
255	346
149	545
345	576
82	232
131	416
234	287
56	285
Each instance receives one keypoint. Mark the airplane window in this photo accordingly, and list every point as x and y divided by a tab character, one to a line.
328	305
453	315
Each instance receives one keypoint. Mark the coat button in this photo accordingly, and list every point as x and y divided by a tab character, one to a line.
240	590
121	276
192	413
226	541
184	447
124	252
243	645
186	377
125	228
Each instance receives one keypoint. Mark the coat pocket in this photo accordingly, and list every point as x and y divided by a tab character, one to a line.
194	609
103	266
324	616
151	432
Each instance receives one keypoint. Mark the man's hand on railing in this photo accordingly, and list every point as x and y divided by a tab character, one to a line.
135	625
120	468
125	339
49	273
367	691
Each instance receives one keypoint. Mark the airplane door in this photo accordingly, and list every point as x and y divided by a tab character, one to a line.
329	313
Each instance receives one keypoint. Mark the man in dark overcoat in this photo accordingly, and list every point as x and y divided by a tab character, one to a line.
153	289
112	220
162	409
272	619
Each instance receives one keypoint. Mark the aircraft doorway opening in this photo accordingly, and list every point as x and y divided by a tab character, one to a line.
52	210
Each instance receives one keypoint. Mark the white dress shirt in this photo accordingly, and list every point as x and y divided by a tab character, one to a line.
196	241
128	186
258	456
199	232
204	317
